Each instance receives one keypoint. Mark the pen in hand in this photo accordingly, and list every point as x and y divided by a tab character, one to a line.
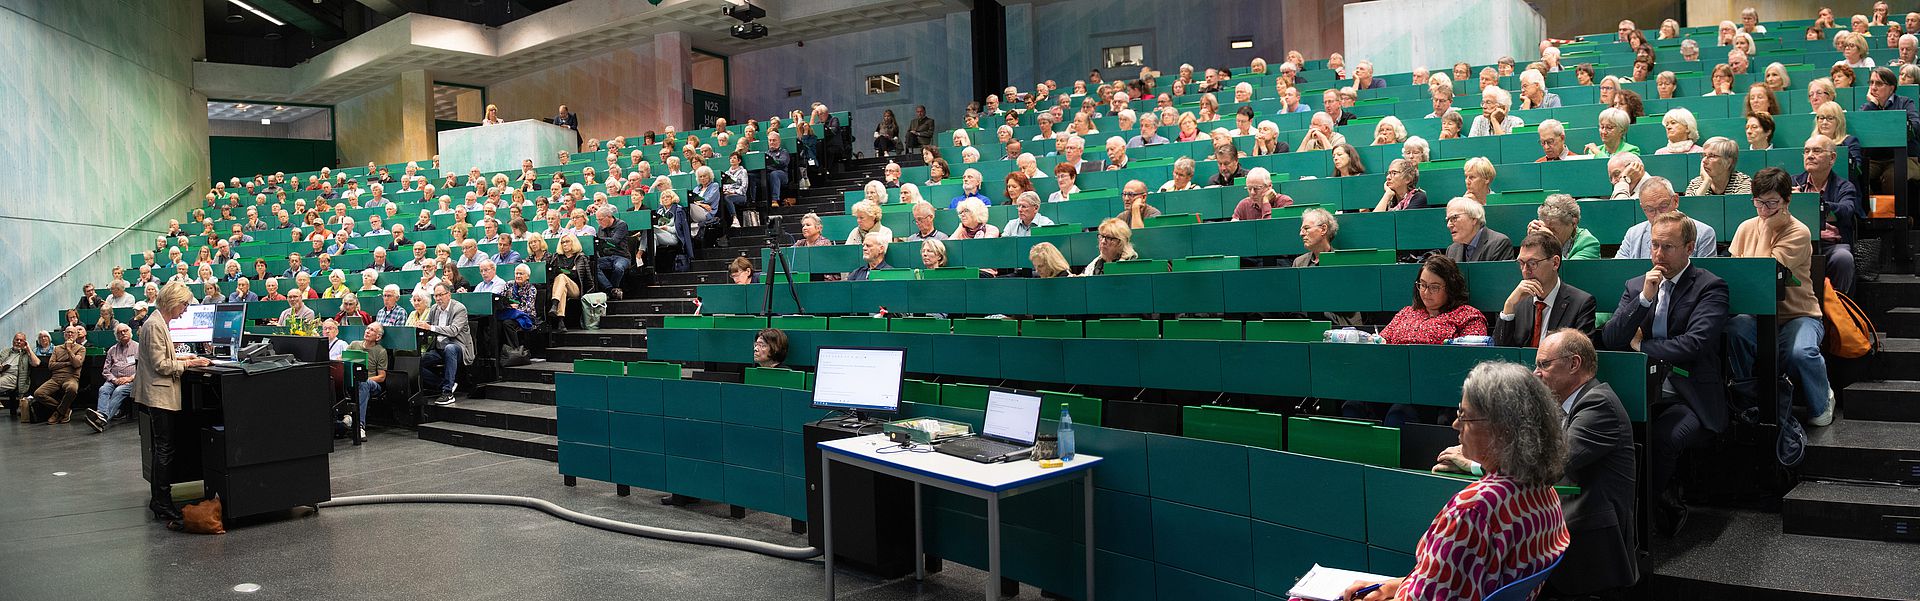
1362	593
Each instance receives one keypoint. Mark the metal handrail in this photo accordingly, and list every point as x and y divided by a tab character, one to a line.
96	251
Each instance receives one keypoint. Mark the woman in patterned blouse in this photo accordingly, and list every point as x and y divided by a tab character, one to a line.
1507	525
1439	310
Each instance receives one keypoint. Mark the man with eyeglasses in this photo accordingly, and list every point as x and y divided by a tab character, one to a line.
1839	206
1675	314
440	368
1774	232
1880	97
1472	239
1261	198
1541	302
1600	460
1136	211
1657	197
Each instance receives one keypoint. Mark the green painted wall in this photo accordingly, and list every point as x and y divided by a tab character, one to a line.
105	125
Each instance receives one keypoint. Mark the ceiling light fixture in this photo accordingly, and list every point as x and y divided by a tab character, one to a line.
259	13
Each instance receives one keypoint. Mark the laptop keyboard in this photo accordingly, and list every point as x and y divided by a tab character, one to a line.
975	448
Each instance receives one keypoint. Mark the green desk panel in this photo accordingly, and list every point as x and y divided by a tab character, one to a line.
1201	473
1032	359
1201	292
1438	370
1335	508
747	446
1250	367
1123	456
1205	542
976	356
1261	291
757	406
1120	294
1181	364
1281	554
1105	361
635	432
1334	364
1355	288
1401	504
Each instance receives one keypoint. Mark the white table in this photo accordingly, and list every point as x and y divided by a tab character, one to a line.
988	481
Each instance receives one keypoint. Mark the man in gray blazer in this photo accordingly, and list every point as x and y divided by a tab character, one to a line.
1472	239
1541	303
441	367
1600	460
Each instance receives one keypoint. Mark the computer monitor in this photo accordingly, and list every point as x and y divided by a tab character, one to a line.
229	330
859	380
193	326
1012	417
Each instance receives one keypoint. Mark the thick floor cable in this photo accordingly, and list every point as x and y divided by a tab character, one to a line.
681	536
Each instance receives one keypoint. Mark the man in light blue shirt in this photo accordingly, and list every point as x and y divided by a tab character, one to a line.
1657	197
1028	205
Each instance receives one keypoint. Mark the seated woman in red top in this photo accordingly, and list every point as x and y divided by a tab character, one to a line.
1439	312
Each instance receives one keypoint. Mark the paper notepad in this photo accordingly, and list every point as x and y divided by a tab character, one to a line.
1327	584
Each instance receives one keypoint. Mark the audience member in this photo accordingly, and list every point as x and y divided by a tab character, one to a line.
1027	216
866	219
1682	131
440	367
1135	210
1116	243
1542	302
873	249
1262	198
1317	229
1675	314
1839	208
1774	232
1508	524
1495	118
63	382
1472	239
1047	261
570	274
1613	134
1402	187
1881	84
1718	170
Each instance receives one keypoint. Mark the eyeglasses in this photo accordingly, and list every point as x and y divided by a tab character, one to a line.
1529	264
1547	364
1107	238
1429	287
1132	194
1768	204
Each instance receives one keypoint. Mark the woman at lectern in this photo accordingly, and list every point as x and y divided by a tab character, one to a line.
156	385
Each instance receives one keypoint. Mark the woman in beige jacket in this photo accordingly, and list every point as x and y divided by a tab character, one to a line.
156	385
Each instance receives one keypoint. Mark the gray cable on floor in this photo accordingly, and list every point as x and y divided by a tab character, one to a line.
682	536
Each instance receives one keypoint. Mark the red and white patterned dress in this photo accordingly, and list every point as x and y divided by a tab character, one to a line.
1412	325
1492	533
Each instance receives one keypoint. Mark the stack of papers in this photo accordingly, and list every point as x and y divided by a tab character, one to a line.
1327	584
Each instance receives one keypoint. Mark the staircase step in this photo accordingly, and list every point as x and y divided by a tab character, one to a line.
697	277
568	354
1900	355
538	372
494	413
1902	322
651	306
1738	554
1843	510
505	442
1856	449
519	392
604	337
1883	400
634	321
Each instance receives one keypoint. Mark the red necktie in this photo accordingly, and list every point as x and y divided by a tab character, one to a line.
1539	314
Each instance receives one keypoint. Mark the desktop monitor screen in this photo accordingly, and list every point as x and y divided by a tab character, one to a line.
193	326
859	378
1012	417
229	319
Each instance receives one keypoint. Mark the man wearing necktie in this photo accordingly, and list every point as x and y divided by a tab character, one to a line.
1541	303
1675	314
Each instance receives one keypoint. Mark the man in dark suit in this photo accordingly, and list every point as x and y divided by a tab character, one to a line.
1600	460
570	120
1542	302
1472	239
1675	314
919	131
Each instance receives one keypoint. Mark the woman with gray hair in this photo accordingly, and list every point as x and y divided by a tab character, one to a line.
1507	525
156	385
1559	217
1402	187
1719	173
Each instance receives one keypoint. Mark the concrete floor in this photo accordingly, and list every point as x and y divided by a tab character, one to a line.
74	525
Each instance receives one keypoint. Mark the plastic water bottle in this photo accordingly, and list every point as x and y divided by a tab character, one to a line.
1065	434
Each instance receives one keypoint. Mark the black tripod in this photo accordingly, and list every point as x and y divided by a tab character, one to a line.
777	238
